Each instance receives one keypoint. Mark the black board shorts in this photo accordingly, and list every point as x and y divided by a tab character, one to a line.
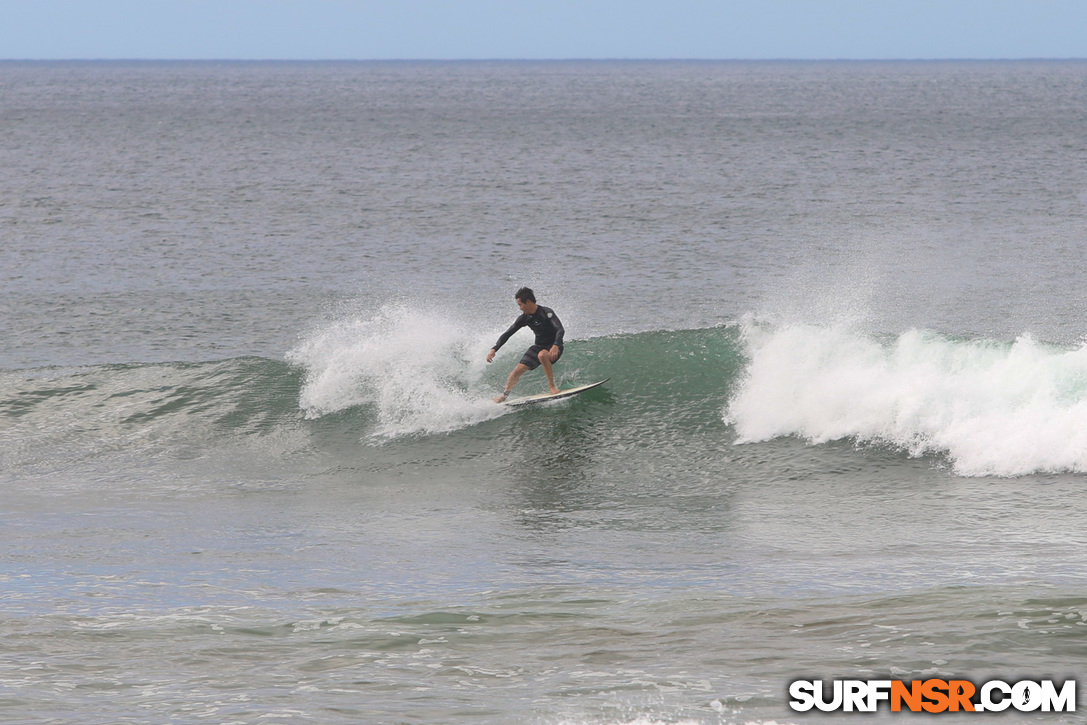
531	359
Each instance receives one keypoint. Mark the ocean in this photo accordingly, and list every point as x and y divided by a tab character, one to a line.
251	472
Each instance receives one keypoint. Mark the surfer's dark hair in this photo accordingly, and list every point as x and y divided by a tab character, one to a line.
525	295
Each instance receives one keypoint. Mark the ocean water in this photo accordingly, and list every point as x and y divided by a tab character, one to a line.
249	468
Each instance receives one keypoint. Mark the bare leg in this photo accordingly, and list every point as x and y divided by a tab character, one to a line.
545	360
518	371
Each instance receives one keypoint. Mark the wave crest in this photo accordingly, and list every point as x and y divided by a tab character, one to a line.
993	408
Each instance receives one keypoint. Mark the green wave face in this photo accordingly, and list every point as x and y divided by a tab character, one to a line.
663	385
681	399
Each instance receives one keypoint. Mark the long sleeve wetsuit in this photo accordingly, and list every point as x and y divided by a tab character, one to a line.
544	323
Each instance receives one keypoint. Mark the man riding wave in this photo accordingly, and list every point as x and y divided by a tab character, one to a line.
548	346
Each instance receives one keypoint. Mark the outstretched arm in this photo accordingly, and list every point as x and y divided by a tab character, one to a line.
517	325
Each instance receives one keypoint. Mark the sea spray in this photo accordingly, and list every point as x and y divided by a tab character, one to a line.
993	408
420	371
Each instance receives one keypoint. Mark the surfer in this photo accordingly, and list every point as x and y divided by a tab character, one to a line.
548	347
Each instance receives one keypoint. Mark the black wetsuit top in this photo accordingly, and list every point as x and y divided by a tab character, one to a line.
544	322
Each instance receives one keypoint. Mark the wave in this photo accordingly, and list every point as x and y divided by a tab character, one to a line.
421	373
51	414
991	407
987	407
395	376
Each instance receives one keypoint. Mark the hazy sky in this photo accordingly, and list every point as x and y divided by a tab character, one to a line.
454	29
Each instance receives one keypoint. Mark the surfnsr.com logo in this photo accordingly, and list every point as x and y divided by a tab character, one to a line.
933	696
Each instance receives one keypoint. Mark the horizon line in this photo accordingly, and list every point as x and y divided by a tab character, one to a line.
550	60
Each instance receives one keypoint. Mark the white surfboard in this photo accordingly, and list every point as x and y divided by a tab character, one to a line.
548	397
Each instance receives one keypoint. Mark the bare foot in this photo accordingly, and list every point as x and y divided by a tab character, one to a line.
554	390
501	398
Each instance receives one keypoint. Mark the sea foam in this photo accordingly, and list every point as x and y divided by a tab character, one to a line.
991	407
